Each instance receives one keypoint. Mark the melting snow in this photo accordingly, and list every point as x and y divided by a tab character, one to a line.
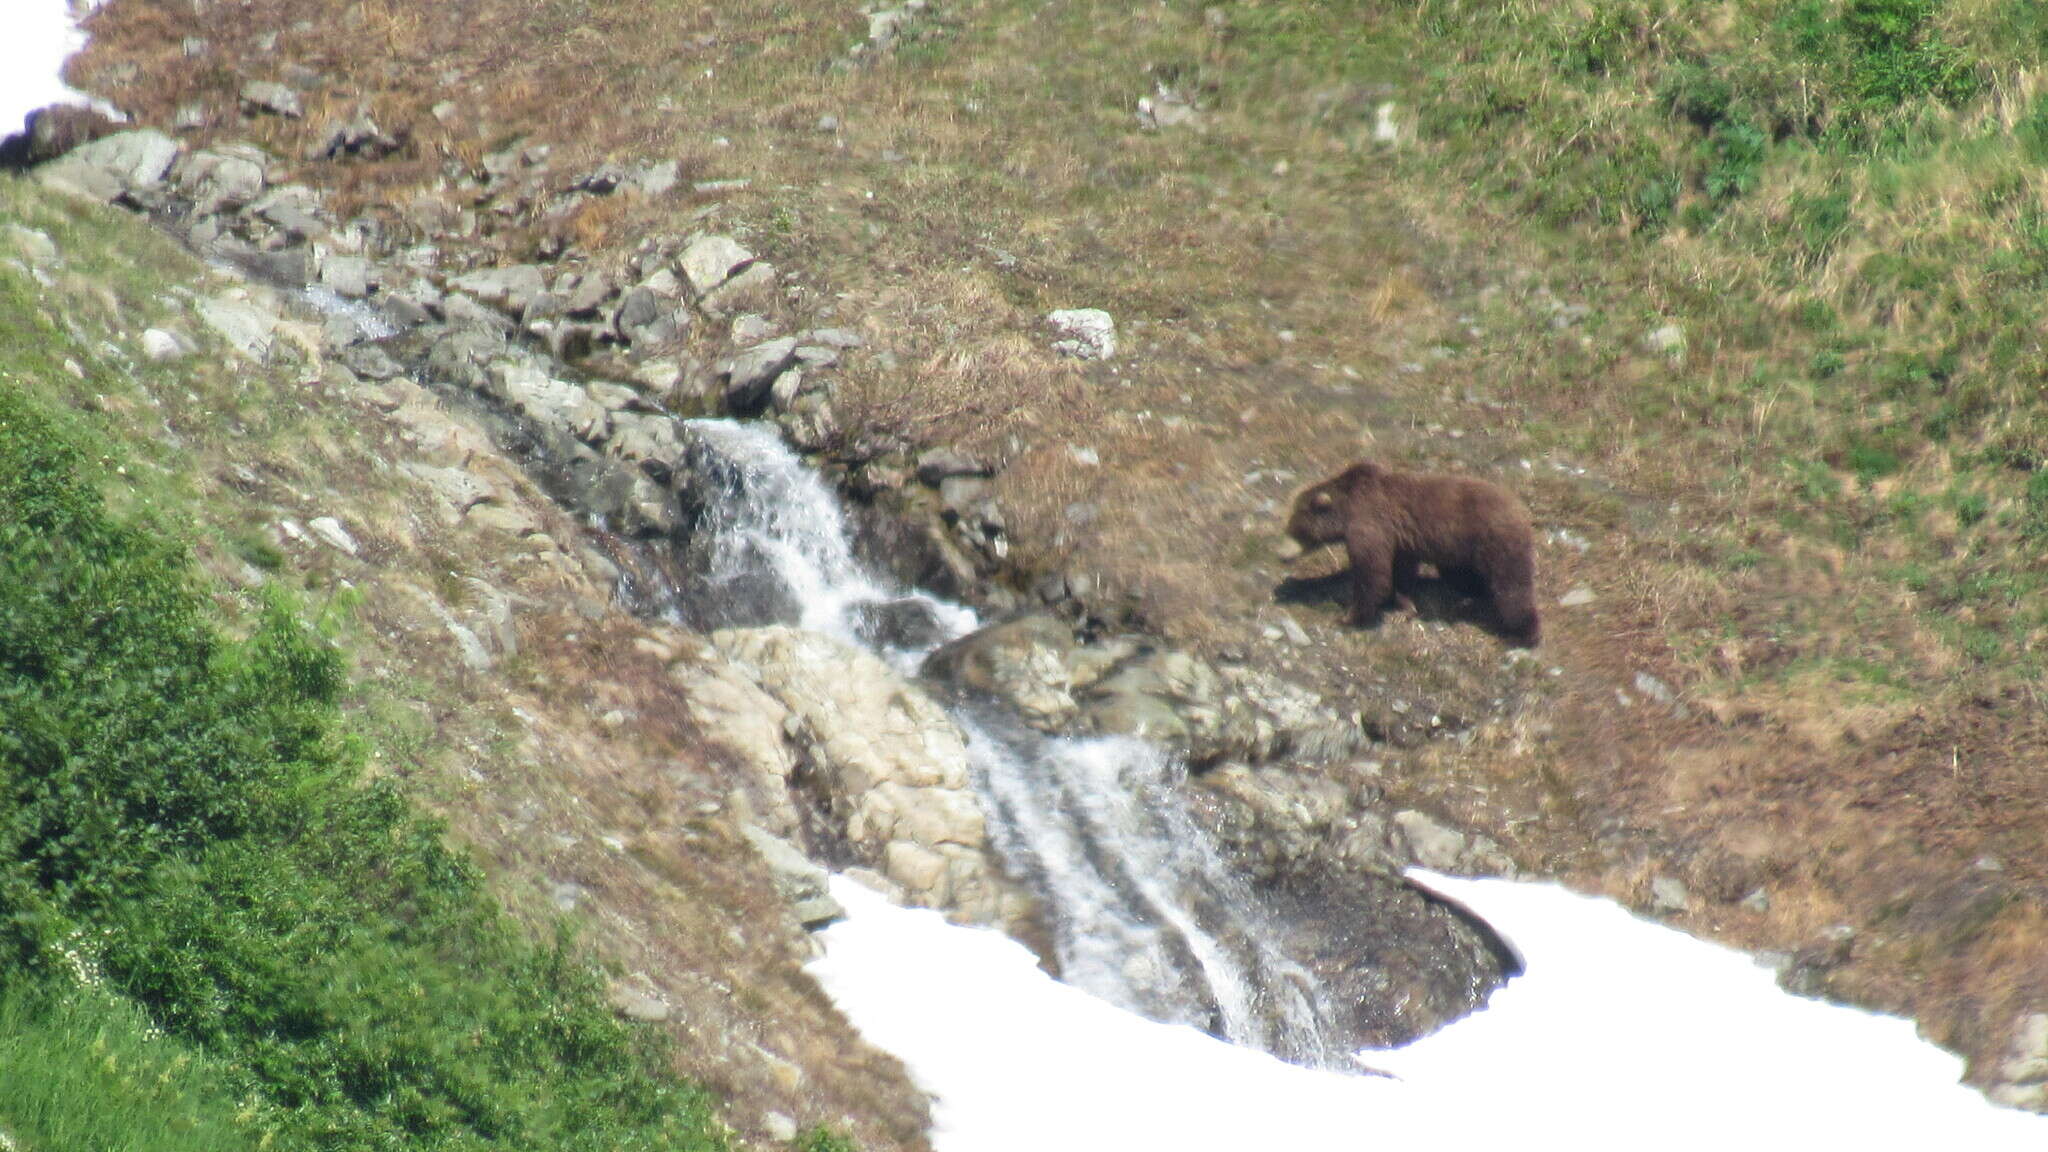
1621	1034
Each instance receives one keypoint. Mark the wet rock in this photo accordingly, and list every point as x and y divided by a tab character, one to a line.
907	623
1393	962
1084	333
123	165
1023	662
555	404
709	262
892	765
347	276
646	441
273	98
371	362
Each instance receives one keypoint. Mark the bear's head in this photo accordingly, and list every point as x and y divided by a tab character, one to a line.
1320	511
1316	519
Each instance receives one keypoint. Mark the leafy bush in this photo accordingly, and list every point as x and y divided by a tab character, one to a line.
181	819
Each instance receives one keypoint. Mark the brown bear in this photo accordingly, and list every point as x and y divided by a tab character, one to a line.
1392	522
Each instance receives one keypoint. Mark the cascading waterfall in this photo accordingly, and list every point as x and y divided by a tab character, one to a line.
1145	913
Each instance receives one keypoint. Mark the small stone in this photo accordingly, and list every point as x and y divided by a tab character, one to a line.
1668	340
779	1127
508	288
244	326
274	98
1385	128
347	276
655	179
161	346
1085	333
711	262
330	530
1577	597
1758	901
752	374
1434	845
828	124
1294	632
1667	894
937	465
1653	688
636	1005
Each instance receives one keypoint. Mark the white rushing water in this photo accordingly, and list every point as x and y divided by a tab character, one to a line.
1621	1034
1146	915
39	36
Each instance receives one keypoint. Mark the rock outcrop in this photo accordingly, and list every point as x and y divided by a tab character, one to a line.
881	768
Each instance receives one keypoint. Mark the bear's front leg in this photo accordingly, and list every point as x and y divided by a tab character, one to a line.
1372	577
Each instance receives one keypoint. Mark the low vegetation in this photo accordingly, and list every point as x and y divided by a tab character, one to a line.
213	928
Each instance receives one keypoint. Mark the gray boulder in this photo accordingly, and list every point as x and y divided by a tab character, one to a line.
273	98
711	261
751	375
124	164
508	289
1085	333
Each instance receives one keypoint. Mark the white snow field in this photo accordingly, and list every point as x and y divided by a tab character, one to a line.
39	36
1621	1034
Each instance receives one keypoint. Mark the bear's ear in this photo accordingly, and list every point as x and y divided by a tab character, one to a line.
1322	501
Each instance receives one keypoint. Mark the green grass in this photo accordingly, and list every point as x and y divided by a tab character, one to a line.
85	1072
188	843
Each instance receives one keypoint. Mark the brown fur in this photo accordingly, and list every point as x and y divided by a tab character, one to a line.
1392	522
51	132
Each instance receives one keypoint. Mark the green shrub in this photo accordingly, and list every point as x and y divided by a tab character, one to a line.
182	821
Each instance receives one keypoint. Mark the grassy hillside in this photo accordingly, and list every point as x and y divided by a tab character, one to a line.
211	925
1840	204
1809	514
